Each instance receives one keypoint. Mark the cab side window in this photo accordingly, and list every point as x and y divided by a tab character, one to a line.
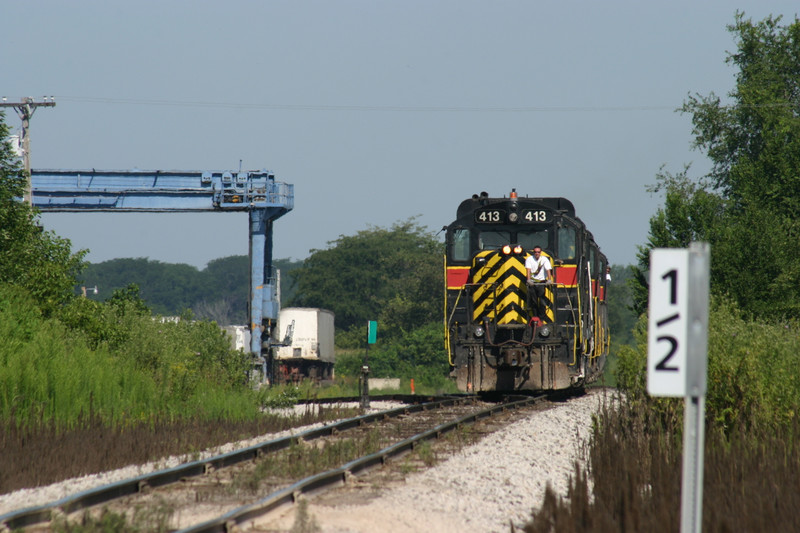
566	243
459	250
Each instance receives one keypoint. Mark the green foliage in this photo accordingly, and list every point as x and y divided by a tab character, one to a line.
45	373
418	354
95	322
631	368
120	365
348	363
29	257
220	292
752	374
279	396
128	300
390	275
755	143
691	212
621	317
748	206
752	369
755	261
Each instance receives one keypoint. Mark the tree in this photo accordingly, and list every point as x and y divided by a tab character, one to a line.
31	258
220	292
691	212
748	206
621	318
754	143
167	288
391	275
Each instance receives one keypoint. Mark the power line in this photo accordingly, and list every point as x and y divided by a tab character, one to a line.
388	108
393	108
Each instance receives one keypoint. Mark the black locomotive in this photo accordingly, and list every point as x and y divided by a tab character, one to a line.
493	338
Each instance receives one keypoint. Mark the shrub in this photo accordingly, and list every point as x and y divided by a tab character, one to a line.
752	375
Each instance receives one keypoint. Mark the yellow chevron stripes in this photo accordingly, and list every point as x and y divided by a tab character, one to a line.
549	297
498	293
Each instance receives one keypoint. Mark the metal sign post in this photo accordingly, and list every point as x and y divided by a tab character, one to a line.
372	335
677	356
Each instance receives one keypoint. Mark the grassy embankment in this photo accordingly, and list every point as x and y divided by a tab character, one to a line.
102	386
752	452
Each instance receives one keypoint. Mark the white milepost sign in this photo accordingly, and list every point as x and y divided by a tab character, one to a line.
677	356
668	322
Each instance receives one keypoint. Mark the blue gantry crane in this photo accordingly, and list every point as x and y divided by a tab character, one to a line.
256	192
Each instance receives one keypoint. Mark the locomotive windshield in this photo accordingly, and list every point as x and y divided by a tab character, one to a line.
490	240
528	239
531	238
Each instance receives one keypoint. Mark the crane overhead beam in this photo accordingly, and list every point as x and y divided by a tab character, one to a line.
158	191
254	192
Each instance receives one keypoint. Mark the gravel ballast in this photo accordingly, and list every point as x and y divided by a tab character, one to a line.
482	488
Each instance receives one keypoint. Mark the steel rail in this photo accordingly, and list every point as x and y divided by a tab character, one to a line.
44	513
232	520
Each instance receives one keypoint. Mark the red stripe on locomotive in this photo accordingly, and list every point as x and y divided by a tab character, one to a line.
457	277
566	275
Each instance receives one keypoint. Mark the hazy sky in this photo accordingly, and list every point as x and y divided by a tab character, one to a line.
377	111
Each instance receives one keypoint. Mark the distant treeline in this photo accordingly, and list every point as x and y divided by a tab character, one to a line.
218	292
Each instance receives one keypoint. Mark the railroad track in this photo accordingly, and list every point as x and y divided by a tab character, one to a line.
221	493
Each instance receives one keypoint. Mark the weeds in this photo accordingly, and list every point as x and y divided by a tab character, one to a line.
304	522
306	459
93	446
150	519
426	453
751	479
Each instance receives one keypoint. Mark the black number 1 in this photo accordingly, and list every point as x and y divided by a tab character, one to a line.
673	294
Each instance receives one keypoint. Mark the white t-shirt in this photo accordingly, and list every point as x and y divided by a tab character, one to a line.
540	268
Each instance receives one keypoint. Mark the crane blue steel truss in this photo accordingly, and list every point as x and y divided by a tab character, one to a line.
256	192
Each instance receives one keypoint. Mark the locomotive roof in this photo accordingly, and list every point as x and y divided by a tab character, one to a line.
555	204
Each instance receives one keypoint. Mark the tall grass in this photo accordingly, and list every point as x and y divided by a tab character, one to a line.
50	372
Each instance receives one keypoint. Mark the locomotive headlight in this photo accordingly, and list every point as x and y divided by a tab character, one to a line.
544	331
506	249
518	249
479	331
513	217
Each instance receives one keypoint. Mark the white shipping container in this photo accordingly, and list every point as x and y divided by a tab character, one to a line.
239	336
312	337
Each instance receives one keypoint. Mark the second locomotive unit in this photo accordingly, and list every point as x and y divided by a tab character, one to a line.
501	332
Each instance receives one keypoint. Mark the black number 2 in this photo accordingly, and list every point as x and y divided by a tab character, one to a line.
662	365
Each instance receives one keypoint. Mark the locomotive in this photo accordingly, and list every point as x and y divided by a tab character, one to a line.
494	339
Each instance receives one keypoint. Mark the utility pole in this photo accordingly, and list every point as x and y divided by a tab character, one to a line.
25	110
